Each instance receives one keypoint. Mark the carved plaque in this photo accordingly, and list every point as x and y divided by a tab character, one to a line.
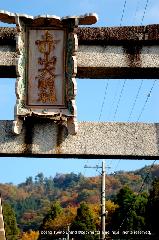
46	67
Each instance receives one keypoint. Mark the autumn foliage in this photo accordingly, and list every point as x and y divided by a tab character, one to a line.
54	203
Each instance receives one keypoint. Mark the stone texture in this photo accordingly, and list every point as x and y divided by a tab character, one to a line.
8	55
116	52
118	56
101	35
115	35
7	35
93	140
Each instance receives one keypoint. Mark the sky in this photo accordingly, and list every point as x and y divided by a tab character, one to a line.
91	92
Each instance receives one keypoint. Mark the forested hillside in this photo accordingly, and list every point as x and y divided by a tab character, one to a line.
34	200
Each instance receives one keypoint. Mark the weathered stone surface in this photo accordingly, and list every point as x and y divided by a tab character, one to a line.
8	55
116	52
7	35
99	35
118	56
116	35
93	140
118	61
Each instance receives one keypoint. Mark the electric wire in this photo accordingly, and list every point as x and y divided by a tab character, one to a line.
140	86
145	9
107	84
136	97
139	89
119	99
103	102
123	12
147	98
121	20
140	190
116	166
105	93
114	98
147	175
123	86
142	110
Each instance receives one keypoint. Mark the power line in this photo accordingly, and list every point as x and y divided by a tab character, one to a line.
148	96
105	93
145	9
119	99
141	188
106	87
140	86
147	175
113	99
121	92
134	103
118	103
117	165
123	12
146	5
123	86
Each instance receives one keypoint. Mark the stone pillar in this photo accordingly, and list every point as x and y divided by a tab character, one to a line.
2	231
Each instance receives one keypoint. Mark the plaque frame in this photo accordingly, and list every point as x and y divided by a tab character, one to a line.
66	114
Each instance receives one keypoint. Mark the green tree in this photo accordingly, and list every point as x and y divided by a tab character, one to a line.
39	178
131	212
52	214
152	213
11	228
29	181
54	211
140	211
84	222
122	217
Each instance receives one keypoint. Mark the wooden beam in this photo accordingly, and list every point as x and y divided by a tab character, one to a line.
117	52
93	140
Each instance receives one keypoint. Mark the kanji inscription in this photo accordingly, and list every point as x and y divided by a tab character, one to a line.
46	67
46	77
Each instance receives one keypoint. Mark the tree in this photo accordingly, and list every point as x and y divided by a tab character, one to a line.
84	222
29	181
32	235
124	199
51	215
131	212
61	221
152	210
10	223
39	178
111	207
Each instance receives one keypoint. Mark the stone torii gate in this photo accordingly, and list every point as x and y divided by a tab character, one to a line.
116	52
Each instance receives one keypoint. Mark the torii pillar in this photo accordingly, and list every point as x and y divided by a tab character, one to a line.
2	231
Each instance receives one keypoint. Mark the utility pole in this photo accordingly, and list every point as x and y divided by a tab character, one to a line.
103	212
